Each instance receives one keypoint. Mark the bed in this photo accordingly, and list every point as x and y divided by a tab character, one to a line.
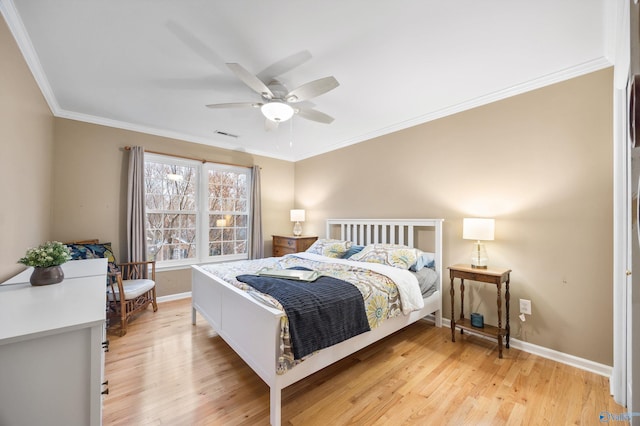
228	309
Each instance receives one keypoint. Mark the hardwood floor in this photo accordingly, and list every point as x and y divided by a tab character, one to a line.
165	371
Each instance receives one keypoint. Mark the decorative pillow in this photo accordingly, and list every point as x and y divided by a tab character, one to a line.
94	251
330	248
425	259
352	250
396	255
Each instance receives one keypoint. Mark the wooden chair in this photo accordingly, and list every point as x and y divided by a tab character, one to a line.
138	286
135	280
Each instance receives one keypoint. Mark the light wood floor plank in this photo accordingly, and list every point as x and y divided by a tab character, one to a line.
165	371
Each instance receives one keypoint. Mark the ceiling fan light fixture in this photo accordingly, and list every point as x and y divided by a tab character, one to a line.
277	111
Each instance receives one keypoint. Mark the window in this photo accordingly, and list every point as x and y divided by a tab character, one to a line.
195	212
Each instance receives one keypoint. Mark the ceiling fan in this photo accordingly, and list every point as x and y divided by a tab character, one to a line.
279	104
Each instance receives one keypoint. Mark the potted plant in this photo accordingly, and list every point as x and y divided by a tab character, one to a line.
46	260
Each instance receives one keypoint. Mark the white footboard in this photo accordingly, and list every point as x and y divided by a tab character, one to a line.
250	328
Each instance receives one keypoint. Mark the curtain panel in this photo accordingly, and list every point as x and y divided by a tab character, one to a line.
136	214
256	242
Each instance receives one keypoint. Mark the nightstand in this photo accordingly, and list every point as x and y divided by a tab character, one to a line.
495	276
289	244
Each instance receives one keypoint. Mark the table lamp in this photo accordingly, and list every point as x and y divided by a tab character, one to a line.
479	230
297	216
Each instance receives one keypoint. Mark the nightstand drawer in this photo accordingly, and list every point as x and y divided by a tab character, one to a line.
281	251
289	244
285	242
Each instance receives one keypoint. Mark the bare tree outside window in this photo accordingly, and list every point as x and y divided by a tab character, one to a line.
175	196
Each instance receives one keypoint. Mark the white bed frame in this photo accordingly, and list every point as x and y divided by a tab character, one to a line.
228	309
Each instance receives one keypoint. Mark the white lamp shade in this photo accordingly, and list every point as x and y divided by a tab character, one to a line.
277	111
297	215
478	229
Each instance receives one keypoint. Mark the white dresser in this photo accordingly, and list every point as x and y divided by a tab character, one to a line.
51	348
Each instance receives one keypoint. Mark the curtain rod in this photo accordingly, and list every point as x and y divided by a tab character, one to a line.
128	148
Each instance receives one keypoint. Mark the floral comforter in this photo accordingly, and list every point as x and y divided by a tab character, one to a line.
387	291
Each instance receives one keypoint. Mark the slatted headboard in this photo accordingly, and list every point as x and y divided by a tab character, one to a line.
388	231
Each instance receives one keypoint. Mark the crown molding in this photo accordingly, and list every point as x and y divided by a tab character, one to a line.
117	124
14	22
527	86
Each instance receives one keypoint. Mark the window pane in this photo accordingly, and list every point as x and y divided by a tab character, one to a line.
215	249
228	208
171	203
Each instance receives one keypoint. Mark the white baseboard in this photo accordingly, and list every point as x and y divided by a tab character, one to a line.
177	296
574	361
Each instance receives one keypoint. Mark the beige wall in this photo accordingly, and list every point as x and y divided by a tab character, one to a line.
26	150
90	186
539	163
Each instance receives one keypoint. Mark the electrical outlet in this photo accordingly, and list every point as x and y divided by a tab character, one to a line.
525	306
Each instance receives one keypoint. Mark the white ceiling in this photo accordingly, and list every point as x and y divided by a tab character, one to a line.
151	66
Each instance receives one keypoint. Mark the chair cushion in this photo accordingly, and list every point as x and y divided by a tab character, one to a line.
133	288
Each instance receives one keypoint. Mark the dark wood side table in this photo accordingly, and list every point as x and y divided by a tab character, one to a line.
495	276
289	244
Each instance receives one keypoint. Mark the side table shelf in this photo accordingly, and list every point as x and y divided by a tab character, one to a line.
491	276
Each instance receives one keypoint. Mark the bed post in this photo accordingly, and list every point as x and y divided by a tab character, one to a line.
275	404
438	260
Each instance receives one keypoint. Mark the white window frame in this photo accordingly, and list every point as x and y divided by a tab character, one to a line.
202	212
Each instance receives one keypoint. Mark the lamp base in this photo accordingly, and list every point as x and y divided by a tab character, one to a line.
479	257
297	229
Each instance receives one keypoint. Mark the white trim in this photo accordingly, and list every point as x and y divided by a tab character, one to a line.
561	357
622	195
172	297
622	259
572	360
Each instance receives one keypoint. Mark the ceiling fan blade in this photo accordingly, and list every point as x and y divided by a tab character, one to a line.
270	125
250	80
235	105
315	115
312	89
195	44
284	65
